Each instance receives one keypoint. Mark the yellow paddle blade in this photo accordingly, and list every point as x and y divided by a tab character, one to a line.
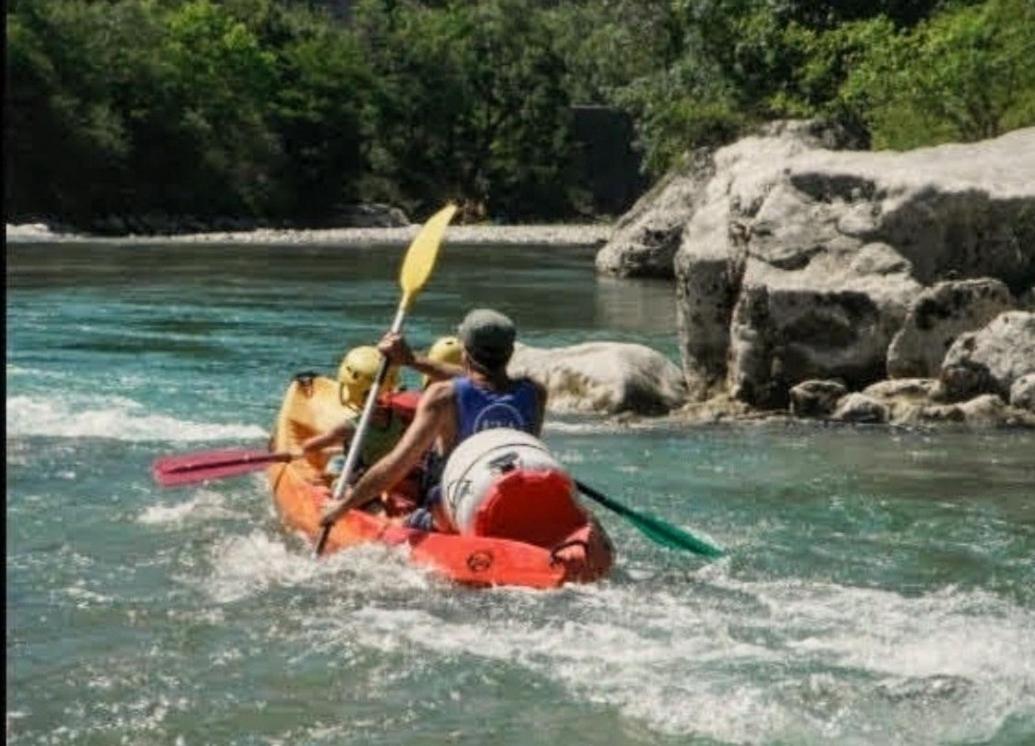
420	257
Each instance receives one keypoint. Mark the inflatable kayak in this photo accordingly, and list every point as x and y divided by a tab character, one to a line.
510	510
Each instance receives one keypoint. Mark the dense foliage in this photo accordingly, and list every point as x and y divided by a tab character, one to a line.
280	110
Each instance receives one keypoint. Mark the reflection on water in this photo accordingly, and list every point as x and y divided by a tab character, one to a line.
636	305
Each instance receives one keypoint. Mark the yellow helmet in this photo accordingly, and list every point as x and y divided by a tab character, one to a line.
357	373
445	350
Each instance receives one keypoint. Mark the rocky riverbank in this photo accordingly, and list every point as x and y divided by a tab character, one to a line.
811	282
816	281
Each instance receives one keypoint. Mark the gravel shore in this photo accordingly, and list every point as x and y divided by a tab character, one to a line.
530	235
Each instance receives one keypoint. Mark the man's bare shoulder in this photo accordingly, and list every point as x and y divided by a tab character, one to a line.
437	395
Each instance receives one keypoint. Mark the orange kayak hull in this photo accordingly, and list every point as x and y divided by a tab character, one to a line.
300	493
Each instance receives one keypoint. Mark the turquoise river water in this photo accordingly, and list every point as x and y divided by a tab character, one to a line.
879	587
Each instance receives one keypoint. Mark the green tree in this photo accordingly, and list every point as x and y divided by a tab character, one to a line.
66	139
965	74
608	44
471	106
221	79
321	117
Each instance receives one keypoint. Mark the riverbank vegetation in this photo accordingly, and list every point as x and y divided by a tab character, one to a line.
286	111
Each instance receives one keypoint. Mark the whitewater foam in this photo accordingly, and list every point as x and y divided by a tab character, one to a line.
115	418
204	506
244	566
83	597
678	662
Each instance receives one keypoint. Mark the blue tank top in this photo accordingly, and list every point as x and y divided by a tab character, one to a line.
480	409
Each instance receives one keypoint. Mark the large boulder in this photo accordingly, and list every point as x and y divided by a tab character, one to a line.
860	408
603	377
991	359
816	398
802	262
825	320
905	398
646	238
710	263
939	315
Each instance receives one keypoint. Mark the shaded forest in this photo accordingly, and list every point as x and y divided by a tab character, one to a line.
285	112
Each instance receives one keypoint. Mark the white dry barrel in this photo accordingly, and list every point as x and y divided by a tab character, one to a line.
480	461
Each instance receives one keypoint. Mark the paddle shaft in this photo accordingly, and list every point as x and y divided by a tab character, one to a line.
356	443
657	530
604	500
257	459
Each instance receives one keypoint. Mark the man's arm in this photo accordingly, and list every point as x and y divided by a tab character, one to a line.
435	406
334	436
394	347
435	369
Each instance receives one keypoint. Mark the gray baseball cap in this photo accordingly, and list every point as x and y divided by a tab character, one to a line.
487	336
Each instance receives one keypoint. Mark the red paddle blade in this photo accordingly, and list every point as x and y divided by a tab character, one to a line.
170	471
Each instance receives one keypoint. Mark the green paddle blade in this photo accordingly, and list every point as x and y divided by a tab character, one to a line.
655	529
671	536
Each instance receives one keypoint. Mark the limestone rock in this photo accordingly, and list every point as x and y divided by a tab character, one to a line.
816	398
987	410
904	397
1022	392
917	389
646	238
860	408
800	262
939	315
991	359
821	321
710	262
604	377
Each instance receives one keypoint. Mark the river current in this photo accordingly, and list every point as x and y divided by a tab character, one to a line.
879	586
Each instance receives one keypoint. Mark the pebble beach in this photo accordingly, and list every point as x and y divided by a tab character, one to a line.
507	235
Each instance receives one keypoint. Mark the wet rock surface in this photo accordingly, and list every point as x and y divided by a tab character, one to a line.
1022	393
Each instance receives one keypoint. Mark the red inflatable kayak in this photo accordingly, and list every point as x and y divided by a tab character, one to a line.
539	536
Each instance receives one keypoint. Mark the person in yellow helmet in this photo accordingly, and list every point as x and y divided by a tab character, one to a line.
447	351
357	373
355	378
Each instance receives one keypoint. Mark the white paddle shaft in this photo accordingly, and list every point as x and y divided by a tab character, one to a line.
368	412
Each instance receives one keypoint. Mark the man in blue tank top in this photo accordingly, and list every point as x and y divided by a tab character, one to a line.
477	395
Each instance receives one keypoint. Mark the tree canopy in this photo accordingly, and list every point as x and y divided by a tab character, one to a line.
281	110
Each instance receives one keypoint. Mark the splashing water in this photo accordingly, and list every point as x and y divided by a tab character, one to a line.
112	417
878	589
